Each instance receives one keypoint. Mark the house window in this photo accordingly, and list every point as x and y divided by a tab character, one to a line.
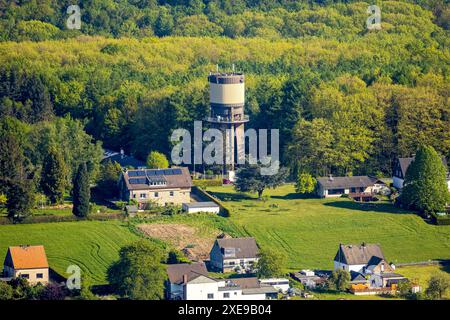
25	276
143	196
171	193
226	295
39	275
210	296
134	196
156	194
336	191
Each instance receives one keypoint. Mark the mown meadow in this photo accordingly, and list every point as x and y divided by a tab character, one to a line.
92	245
310	230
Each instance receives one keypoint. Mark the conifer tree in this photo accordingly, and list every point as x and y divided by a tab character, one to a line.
425	187
53	177
81	192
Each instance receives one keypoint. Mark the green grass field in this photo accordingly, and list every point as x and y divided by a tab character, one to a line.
310	230
92	245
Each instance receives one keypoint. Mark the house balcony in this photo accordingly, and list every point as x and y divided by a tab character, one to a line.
228	120
362	196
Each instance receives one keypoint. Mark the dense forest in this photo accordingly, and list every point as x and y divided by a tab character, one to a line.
346	100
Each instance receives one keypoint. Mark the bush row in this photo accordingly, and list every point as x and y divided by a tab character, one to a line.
202	183
65	218
441	220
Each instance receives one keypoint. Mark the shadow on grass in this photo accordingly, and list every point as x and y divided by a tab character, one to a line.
445	266
229	196
294	195
365	206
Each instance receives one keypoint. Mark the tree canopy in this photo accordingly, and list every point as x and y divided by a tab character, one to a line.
139	273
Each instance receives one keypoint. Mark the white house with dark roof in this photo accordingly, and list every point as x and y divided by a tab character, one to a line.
399	171
234	254
337	186
157	186
192	282
366	265
357	257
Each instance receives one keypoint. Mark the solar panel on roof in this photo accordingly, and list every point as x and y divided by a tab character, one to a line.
132	181
167	172
137	181
151	172
136	173
177	171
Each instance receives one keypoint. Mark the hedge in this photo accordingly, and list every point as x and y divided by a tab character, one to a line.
65	218
202	183
441	220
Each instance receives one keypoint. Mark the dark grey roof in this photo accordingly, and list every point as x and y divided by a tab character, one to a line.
191	270
207	204
357	277
347	182
243	247
122	159
405	162
358	254
142	179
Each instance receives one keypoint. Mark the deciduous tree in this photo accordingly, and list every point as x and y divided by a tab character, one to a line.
139	273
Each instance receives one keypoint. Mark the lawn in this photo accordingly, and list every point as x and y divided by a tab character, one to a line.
310	230
421	274
92	245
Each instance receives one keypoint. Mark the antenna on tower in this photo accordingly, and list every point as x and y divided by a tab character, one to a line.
217	68
233	68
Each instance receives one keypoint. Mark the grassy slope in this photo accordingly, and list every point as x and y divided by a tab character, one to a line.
92	245
310	230
423	273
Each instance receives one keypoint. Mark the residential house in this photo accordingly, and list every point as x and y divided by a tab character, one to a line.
400	167
191	282
28	262
357	257
234	254
356	186
180	274
368	268
156	186
125	161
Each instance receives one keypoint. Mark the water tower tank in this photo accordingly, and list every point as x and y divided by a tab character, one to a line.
227	89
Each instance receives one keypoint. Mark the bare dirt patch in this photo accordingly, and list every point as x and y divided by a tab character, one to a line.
194	244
